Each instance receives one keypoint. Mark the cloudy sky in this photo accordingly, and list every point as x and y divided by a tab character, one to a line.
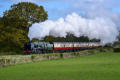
61	8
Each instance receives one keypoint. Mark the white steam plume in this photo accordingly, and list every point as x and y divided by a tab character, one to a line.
100	28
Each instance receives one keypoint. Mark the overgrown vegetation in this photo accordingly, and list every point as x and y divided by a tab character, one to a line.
116	49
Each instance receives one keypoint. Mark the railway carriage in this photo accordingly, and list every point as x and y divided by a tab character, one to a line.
49	47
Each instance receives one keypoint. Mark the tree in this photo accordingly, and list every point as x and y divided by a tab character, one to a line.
49	38
15	23
69	38
12	38
24	14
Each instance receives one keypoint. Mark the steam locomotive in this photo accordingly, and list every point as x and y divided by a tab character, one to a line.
50	47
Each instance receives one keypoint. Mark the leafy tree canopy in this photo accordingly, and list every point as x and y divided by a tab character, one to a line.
24	14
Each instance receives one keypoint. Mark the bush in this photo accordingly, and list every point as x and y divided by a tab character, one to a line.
48	56
2	62
61	55
102	49
7	61
91	51
77	54
73	53
33	57
116	49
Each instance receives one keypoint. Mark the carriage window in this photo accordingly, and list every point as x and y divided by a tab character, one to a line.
36	46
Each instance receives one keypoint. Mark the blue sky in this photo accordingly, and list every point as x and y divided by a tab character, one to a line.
61	8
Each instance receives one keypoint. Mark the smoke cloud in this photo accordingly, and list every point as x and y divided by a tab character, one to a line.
101	28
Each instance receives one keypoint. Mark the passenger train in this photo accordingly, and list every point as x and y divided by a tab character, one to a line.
50	47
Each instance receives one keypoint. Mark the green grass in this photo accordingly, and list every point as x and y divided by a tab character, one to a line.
102	66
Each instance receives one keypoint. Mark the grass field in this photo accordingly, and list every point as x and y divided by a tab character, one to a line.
101	66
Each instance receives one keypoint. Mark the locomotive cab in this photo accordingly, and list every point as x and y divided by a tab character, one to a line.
27	48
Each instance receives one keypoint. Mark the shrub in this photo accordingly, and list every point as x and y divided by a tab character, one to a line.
91	51
73	53
116	49
33	57
48	56
102	49
61	55
2	62
7	61
77	53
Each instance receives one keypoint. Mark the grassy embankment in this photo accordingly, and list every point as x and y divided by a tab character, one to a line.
102	66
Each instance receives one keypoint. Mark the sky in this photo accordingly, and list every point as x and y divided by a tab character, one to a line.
61	8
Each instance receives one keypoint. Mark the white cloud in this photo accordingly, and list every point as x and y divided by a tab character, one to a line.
99	28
